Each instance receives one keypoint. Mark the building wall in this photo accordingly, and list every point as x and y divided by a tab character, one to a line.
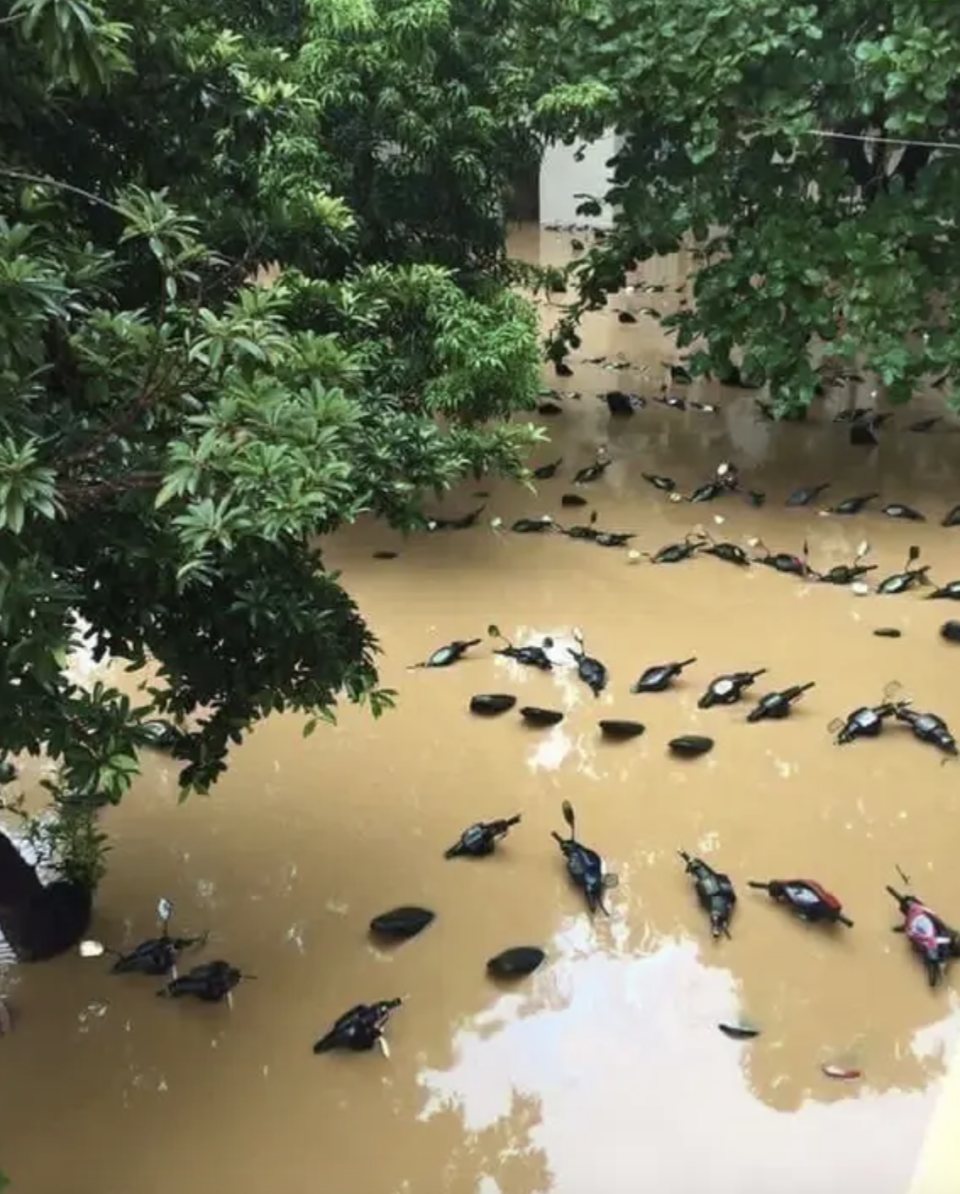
562	177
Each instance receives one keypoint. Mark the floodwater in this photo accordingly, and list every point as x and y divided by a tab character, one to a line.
605	1071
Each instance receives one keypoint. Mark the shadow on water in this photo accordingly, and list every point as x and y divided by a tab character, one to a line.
605	1071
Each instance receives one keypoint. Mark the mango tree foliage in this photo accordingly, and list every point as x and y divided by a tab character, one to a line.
425	106
174	438
743	125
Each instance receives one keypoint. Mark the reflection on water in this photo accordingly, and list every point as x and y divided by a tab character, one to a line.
591	1049
604	1071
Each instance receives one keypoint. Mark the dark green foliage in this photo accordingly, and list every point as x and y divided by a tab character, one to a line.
808	244
175	439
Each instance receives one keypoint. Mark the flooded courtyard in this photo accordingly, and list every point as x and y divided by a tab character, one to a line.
604	1071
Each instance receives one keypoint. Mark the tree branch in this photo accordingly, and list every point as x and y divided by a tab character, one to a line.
47	181
78	494
153	388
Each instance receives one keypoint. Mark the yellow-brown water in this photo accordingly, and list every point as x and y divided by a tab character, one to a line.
605	1071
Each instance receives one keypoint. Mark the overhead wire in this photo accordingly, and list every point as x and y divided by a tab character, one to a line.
905	142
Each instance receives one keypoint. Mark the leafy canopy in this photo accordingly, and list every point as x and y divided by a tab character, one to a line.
176	439
743	125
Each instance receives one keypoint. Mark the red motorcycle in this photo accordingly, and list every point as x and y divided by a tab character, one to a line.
807	899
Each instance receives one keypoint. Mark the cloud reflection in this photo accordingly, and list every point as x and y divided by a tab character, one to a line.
622	1055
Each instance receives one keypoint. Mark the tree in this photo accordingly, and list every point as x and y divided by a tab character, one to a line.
752	133
175	440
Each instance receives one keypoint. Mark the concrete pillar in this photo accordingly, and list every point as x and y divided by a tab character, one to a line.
562	177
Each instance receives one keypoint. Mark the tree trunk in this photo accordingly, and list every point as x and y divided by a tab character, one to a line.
39	921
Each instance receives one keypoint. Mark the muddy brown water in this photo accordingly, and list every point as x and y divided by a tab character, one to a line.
605	1071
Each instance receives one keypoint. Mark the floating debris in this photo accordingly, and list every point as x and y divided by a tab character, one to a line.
542	718
739	1032
490	704
690	746
403	923
888	632
518	962
620	730
841	1072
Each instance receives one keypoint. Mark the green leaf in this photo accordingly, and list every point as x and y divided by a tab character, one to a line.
171	488
125	763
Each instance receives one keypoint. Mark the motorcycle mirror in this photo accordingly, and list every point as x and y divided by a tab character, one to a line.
863	550
577	635
164	909
836	724
494	631
611	881
568	815
384	1047
91	949
913	554
891	690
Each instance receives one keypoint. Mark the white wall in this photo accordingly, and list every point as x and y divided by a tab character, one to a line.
562	177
